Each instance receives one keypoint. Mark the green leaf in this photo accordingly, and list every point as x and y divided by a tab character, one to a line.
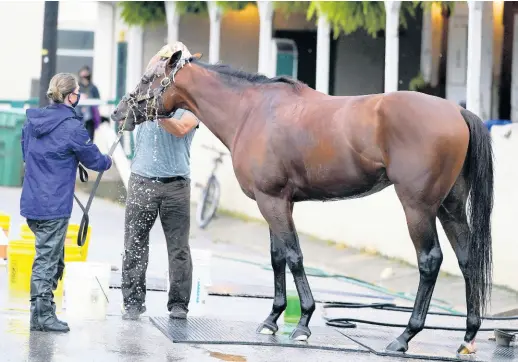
344	16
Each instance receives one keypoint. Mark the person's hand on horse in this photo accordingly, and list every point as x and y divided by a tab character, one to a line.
179	127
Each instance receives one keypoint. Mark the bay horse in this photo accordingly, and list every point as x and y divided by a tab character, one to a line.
290	143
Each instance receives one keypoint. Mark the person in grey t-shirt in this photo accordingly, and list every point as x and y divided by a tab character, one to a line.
159	184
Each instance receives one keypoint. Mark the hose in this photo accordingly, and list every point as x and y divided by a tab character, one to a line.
315	272
348	322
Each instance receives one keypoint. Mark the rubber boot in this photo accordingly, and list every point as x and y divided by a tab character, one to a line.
55	315
43	318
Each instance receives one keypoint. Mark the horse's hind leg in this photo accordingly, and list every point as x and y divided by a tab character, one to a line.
421	217
452	215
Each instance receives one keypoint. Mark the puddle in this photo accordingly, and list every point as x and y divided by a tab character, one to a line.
18	325
227	357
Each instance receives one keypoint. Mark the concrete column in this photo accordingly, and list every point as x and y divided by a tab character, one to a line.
265	36
392	45
103	75
426	46
173	21
134	67
215	31
498	37
323	54
456	67
473	101
120	30
486	68
514	73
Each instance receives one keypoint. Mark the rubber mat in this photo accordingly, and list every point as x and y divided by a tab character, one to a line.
430	344
213	331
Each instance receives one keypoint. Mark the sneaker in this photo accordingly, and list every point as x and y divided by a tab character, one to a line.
178	312
132	313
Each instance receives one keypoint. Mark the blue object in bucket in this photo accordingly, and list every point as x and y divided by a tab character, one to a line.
496	122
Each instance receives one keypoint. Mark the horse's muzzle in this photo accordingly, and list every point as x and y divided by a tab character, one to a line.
125	121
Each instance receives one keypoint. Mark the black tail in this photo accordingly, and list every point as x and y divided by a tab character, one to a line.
479	176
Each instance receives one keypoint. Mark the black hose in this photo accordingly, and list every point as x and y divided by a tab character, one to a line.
347	322
83	176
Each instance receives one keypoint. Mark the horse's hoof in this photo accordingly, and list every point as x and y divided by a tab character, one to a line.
267	328
300	333
397	346
467	350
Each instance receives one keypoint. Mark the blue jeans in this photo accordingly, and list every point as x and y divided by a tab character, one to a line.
49	262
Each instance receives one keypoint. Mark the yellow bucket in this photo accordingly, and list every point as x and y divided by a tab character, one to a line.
5	223
19	266
73	252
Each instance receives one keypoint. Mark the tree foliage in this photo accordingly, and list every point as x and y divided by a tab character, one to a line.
142	13
344	16
349	16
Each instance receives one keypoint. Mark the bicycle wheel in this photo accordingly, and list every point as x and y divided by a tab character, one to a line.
208	203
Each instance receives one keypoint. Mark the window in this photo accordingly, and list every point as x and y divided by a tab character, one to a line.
75	49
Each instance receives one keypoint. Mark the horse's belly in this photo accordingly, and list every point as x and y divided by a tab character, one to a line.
327	189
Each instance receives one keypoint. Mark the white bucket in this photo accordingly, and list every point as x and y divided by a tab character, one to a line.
86	288
201	280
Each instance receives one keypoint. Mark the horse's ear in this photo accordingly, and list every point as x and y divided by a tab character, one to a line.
197	56
174	58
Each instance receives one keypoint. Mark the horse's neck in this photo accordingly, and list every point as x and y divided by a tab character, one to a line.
218	108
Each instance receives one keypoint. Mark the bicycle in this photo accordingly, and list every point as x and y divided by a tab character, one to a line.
209	200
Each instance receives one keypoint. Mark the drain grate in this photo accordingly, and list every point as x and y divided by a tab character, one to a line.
213	331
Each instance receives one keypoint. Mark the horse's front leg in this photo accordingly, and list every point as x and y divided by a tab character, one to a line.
278	214
278	256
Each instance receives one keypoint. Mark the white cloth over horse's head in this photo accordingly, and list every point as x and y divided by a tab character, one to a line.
167	51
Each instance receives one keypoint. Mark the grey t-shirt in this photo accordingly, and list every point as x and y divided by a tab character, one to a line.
161	154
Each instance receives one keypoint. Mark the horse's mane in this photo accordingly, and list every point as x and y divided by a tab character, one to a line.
231	75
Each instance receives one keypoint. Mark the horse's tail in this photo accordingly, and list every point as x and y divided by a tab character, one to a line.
479	177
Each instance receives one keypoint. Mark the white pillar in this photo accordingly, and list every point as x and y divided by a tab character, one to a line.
392	45
215	31
514	73
120	30
265	36
486	67
173	21
456	67
498	37
134	65
474	57
103	75
427	46
323	52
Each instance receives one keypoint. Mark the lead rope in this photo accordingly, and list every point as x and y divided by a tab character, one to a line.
83	176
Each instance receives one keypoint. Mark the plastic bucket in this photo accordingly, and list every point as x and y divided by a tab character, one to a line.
5	225
19	266
86	290
201	280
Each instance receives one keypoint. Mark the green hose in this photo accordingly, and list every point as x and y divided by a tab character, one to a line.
315	272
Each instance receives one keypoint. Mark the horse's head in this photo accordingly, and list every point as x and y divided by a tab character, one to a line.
156	94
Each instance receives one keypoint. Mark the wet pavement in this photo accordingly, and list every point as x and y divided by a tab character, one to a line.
237	269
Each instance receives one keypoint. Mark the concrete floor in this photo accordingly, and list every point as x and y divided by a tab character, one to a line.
239	265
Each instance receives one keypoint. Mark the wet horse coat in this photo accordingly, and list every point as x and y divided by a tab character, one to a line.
290	143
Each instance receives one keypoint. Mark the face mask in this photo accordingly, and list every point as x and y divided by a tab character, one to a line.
77	101
86	79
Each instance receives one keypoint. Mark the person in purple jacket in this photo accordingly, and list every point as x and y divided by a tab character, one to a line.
54	141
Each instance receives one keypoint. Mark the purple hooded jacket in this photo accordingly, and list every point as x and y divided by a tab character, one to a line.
54	141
